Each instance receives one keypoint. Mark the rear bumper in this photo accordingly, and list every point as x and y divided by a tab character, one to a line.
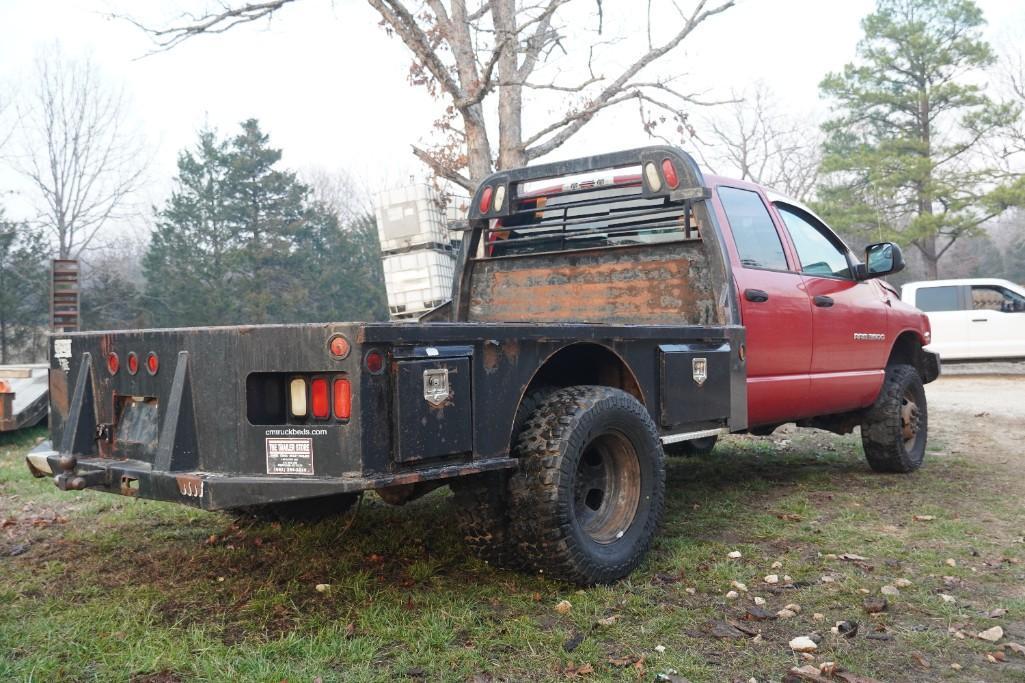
217	491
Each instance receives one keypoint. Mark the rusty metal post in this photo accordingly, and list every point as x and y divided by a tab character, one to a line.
64	295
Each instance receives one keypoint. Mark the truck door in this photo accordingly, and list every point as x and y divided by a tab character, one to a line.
997	324
849	317
775	309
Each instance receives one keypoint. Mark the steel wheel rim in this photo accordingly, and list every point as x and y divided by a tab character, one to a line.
910	420
607	492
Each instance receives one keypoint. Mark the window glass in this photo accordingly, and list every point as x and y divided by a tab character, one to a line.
757	240
932	299
818	254
995	298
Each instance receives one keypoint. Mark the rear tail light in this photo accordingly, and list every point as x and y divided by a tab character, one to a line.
152	363
297	396
320	403
485	199
499	197
339	346
133	363
669	171
374	361
343	399
113	363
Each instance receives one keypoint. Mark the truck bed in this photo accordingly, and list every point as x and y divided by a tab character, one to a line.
212	426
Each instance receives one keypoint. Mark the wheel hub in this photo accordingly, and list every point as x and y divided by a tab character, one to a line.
910	419
607	487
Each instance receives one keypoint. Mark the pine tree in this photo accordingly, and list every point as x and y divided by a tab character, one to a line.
24	282
242	241
902	151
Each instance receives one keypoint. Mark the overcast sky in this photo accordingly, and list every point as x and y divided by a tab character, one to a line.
330	86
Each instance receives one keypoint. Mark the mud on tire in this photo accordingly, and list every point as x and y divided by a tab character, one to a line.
895	428
588	496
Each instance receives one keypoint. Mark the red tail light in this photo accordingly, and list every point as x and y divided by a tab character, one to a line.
152	363
343	399
319	402
485	199
133	363
669	171
339	346
374	362
113	363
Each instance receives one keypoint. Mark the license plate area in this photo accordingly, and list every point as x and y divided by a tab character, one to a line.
138	427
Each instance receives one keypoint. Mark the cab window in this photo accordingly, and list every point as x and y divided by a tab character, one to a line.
754	233
996	298
818	253
938	299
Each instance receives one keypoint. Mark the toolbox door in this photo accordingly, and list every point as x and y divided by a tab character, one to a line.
695	384
433	404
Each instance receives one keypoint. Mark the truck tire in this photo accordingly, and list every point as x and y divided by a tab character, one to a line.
702	446
304	510
482	503
588	496
895	428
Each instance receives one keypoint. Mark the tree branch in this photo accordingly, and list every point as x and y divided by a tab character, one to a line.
440	169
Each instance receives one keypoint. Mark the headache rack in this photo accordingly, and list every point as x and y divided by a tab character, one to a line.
632	197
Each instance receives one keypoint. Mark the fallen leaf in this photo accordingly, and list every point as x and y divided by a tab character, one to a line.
991	634
563	607
920	660
627	660
739	586
875	604
720	629
756	613
851	557
803	644
1016	648
924	518
793	607
608	621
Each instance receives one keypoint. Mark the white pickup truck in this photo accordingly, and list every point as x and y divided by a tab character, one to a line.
972	318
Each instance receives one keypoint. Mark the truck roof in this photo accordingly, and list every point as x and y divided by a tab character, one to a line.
913	286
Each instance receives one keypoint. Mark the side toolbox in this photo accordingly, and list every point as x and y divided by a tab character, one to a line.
433	403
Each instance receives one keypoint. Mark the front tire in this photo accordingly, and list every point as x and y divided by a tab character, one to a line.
589	494
894	430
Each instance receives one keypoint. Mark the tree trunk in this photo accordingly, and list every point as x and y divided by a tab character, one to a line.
510	93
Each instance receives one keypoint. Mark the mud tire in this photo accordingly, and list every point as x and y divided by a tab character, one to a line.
482	504
886	426
561	527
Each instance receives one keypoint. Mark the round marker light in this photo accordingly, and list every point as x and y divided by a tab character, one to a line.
499	197
152	363
339	346
651	175
669	171
485	199
113	363
133	363
374	361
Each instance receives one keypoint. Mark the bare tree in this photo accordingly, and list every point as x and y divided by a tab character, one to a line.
466	51
753	140
77	152
339	191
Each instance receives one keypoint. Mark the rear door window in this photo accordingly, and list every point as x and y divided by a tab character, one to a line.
758	243
996	298
936	299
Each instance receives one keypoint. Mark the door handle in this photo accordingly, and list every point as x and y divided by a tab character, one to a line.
756	295
823	301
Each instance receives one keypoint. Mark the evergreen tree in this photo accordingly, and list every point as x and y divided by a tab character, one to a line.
902	151
241	241
24	288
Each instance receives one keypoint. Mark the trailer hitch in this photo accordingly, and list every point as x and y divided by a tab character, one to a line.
68	480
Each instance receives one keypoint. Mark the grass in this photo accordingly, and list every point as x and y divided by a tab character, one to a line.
98	587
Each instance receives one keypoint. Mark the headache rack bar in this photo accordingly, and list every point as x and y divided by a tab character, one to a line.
653	201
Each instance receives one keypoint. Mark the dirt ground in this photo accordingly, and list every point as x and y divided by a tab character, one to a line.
991	394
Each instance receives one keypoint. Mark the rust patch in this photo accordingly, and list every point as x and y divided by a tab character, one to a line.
59	392
491	356
190	485
511	350
640	285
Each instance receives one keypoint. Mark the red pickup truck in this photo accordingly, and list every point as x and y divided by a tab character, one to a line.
605	310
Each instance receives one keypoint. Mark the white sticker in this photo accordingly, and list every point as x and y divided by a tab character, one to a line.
289	456
62	348
431	351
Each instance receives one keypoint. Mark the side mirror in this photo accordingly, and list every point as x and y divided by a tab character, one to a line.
882	258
